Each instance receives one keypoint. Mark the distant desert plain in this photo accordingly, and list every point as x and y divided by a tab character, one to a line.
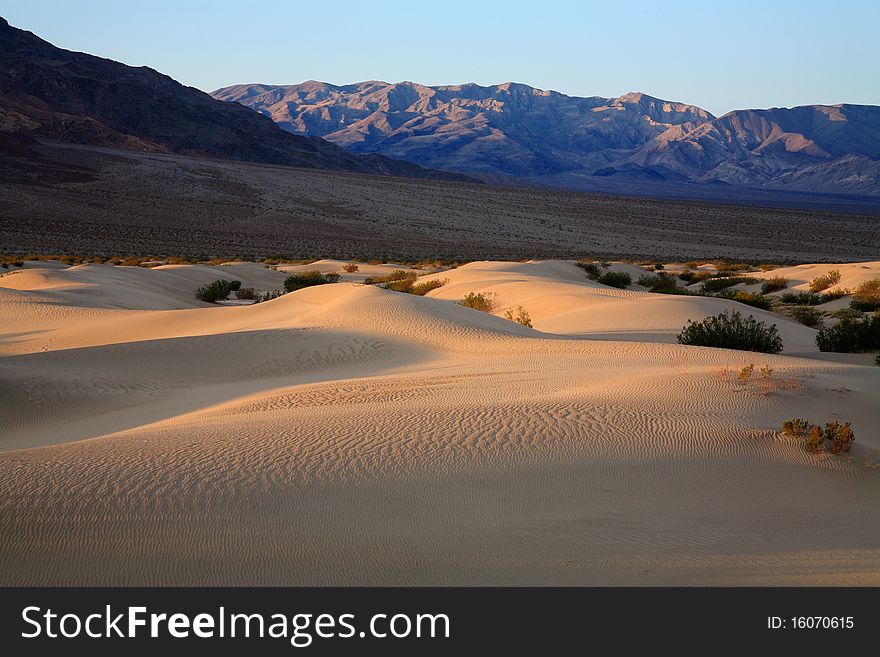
347	434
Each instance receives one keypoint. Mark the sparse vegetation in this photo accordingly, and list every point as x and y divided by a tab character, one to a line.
246	293
729	330
803	298
271	294
421	289
216	290
519	315
484	302
774	284
309	278
837	437
724	267
619	279
806	315
867	296
823	282
350	268
851	335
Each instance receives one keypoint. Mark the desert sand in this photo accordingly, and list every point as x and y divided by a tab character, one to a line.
345	434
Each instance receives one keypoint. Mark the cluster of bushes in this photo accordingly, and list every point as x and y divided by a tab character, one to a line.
519	315
217	290
350	268
619	279
837	437
851	335
825	281
774	284
309	278
484	302
730	330
246	293
867	296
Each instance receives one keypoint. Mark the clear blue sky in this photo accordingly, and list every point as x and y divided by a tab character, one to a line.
719	55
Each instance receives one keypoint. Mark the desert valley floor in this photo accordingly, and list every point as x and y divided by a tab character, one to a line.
351	435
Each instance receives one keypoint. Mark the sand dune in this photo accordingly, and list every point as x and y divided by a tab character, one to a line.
345	434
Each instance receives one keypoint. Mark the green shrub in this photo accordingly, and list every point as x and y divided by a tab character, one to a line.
752	299
619	279
803	298
851	335
867	296
825	281
661	284
421	289
520	316
807	315
591	267
303	279
718	284
216	290
774	284
729	330
479	301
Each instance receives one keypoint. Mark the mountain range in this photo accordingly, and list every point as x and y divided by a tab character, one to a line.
548	137
50	93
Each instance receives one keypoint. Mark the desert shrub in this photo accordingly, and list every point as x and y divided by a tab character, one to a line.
807	315
718	284
867	296
308	278
245	293
825	281
815	439
723	266
768	266
746	373
661	284
520	316
271	294
618	279
479	301
803	298
216	290
774	284
591	267
659	266
840	436
421	289
851	335
394	277
729	330
750	299
847	313
350	268
796	428
402	284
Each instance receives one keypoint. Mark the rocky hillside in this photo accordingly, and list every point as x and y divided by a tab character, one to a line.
516	130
